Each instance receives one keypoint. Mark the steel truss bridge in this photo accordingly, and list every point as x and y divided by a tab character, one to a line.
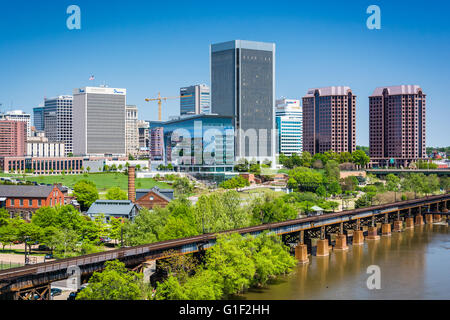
33	281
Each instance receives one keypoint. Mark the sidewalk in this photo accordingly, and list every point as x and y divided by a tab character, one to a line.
18	258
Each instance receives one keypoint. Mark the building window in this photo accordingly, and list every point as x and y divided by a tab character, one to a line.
21	202
151	198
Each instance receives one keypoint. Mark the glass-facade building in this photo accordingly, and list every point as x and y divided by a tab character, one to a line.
289	121
199	143
243	87
195	100
38	118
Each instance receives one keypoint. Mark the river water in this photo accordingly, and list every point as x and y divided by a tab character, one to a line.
414	264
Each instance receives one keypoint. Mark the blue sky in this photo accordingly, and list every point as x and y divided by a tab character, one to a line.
159	46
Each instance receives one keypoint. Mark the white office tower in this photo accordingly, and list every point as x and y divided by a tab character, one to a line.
289	120
18	115
132	131
99	121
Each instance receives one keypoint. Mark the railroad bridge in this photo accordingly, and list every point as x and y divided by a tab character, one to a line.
311	235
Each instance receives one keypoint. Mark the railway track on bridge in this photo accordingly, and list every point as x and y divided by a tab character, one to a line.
55	270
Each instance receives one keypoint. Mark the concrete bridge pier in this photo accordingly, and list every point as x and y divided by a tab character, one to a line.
341	242
429	218
419	220
358	237
398	225
148	269
409	223
322	248
341	239
322	244
301	253
386	229
373	234
358	234
437	217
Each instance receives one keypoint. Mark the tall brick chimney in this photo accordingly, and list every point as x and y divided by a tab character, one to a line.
131	190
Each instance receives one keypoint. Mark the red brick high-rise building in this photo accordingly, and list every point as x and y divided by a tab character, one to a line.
13	137
397	125
329	120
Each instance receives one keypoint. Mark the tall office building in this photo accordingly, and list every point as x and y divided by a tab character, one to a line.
58	120
38	118
18	115
143	129
13	137
156	143
243	87
99	121
329	120
132	131
195	100
289	118
397	125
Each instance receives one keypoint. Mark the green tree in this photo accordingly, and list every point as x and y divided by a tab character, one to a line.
359	157
332	171
64	242
4	216
321	191
220	211
268	210
392	182
116	225
242	165
115	193
334	188
86	193
306	159
345	157
7	235
146	227
234	183
232	261
182	187
45	217
115	282
254	168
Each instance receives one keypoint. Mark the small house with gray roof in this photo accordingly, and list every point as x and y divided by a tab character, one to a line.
113	209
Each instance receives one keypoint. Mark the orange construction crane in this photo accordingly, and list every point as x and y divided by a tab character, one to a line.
159	99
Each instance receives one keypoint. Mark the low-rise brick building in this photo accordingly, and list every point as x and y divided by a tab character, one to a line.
148	198
24	200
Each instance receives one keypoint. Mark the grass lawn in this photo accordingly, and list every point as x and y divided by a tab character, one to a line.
21	252
103	181
249	194
7	265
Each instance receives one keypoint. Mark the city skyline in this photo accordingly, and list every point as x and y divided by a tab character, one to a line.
41	57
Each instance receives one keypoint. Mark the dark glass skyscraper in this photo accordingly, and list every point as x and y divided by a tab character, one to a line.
38	118
243	86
